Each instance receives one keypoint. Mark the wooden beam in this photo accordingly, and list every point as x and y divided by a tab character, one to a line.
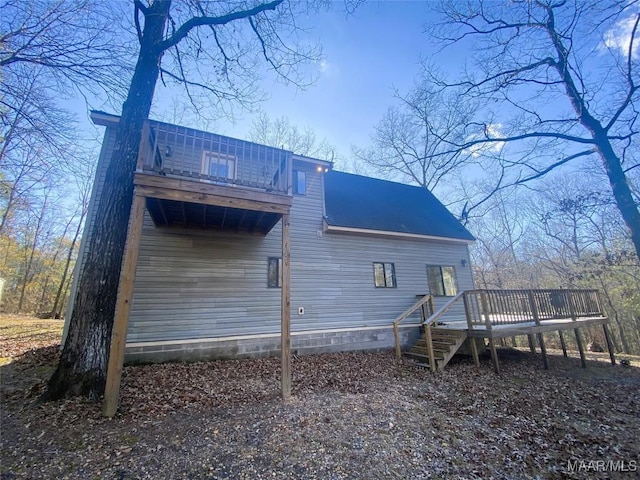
494	355
583	359
607	337
204	216
285	328
210	199
123	306
543	349
532	344
162	211
563	344
547	326
198	187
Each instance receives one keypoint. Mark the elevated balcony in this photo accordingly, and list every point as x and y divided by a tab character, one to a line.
195	179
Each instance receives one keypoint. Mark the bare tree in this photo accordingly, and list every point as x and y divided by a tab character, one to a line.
82	174
208	47
412	141
280	133
560	80
49	49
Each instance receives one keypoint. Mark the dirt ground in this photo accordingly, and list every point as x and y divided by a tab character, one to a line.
352	415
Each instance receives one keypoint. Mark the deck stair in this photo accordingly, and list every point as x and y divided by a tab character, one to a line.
445	343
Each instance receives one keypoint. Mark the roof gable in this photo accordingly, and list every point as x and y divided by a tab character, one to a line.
354	201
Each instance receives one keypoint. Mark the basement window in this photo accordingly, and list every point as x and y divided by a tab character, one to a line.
384	275
442	280
274	272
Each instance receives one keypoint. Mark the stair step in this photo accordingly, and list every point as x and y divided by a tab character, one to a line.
446	333
425	354
444	338
436	343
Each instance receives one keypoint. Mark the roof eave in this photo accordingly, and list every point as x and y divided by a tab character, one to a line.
104	119
390	234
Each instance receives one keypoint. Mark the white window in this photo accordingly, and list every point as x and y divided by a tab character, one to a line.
219	166
442	280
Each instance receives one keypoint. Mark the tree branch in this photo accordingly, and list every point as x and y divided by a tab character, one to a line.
189	25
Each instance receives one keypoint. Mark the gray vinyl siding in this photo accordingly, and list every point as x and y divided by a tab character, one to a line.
203	284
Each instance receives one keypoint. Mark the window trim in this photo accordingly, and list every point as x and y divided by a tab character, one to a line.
209	155
294	178
442	282
278	265
384	273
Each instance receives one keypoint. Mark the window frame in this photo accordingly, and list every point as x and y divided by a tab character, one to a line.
278	266
210	157
442	282
385	275
296	183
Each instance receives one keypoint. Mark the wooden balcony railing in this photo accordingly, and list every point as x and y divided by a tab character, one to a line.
182	152
489	308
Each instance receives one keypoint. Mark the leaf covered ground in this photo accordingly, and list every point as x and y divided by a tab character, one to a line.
352	415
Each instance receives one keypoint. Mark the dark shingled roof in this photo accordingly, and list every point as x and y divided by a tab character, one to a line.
361	202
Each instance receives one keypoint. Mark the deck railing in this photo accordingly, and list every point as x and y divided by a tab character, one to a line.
181	152
425	304
490	308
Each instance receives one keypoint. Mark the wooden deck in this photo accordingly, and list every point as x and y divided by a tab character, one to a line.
493	314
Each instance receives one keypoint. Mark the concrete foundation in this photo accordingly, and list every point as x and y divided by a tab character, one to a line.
302	343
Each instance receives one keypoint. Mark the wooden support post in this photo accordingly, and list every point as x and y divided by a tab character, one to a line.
428	340
532	344
543	349
474	351
607	337
583	359
562	343
285	327
123	306
397	340
494	355
144	147
432	307
485	309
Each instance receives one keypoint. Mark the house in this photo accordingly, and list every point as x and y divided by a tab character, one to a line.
236	249
208	275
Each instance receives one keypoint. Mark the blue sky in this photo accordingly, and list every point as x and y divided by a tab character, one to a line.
367	54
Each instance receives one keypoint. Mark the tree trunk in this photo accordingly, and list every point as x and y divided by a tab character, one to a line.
621	191
83	364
